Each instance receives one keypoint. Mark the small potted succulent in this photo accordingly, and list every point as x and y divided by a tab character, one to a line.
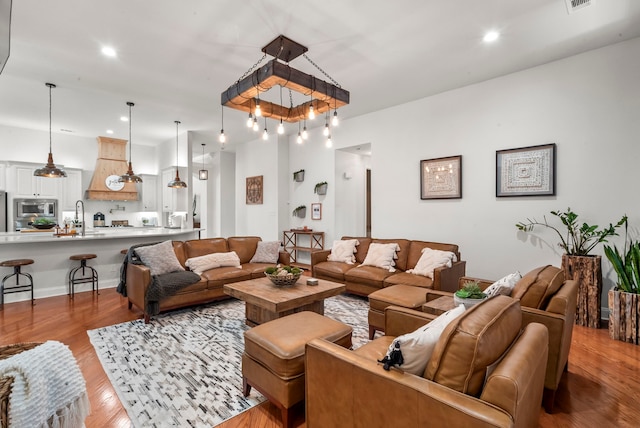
469	295
298	175
321	188
300	211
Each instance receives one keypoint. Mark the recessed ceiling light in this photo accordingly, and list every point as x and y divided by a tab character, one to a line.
491	36
109	131
109	51
124	118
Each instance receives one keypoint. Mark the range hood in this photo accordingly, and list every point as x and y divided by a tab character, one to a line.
110	165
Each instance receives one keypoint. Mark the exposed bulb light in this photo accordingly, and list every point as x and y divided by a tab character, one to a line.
222	138
124	118
491	36
258	111
256	127
335	121
325	131
281	128
109	51
203	174
329	143
299	139
312	113
305	134
265	134
249	121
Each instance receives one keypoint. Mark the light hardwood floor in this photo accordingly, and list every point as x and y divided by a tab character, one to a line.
600	389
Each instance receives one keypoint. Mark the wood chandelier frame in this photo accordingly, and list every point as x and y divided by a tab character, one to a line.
243	94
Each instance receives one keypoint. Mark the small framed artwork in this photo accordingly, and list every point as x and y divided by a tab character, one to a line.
316	211
441	178
254	190
527	171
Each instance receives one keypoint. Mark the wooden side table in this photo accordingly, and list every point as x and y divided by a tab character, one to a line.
439	306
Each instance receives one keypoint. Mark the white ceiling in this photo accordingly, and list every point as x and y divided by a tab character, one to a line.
176	57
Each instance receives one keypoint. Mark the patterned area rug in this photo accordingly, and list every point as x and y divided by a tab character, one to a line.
183	369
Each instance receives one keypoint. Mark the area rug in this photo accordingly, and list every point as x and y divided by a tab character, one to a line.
183	369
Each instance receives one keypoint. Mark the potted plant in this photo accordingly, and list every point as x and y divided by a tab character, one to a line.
577	241
300	211
623	298
321	188
469	295
298	175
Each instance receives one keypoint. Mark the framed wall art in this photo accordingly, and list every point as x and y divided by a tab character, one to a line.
527	171
254	190
441	178
316	211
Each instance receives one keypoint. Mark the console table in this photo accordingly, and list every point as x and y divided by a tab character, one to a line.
302	241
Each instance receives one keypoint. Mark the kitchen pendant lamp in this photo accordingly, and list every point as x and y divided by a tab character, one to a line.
176	183
50	170
203	174
130	177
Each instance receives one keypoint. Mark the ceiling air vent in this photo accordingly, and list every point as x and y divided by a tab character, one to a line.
576	5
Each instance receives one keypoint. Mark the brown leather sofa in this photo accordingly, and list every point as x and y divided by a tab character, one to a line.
557	312
367	279
454	390
209	288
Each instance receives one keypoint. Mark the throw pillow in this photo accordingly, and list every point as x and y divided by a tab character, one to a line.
504	285
411	351
382	256
267	252
432	259
159	258
202	263
343	251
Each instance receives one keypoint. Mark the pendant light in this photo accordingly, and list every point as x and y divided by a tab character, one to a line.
130	177
50	170
203	174
176	183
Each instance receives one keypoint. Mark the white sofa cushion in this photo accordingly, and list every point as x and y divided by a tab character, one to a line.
432	259
266	252
382	256
504	285
343	251
159	258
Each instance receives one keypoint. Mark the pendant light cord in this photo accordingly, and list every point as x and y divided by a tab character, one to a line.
50	85
130	104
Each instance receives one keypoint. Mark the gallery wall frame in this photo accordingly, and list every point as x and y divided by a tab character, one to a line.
316	211
526	171
441	178
254	190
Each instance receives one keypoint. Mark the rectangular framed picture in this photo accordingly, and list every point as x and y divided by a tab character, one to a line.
527	171
316	211
441	178
254	190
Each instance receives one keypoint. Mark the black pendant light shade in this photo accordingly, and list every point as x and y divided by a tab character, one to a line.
176	183
129	176
203	174
50	170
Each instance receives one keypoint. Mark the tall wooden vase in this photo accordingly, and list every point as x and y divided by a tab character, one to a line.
587	271
624	314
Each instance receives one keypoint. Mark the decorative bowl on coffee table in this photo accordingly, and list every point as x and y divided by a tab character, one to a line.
283	280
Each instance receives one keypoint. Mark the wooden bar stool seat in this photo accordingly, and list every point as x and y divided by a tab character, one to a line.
85	277
16	264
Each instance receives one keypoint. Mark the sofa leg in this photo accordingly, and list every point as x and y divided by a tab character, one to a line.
286	420
548	399
246	388
372	332
147	318
129	305
566	367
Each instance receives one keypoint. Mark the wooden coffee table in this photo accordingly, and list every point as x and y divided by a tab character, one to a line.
265	302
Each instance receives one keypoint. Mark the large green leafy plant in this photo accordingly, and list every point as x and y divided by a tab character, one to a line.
578	239
626	265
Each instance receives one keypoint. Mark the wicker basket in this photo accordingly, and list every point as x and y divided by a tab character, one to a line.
7	351
283	280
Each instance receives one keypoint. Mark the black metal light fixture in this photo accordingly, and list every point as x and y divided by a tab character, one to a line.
129	176
50	170
203	174
176	183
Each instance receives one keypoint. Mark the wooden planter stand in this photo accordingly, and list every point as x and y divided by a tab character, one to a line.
623	316
587	271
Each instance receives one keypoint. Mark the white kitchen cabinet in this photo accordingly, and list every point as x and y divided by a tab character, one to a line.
173	199
27	186
71	189
149	191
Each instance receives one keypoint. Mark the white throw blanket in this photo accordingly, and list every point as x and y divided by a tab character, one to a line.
48	388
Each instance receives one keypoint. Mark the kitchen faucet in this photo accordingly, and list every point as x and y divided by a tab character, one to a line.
79	201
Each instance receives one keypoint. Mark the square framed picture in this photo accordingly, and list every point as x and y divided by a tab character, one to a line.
526	171
316	211
441	178
254	190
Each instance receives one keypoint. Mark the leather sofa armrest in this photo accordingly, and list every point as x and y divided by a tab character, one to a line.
284	258
434	294
446	279
318	257
138	280
399	320
483	283
331	400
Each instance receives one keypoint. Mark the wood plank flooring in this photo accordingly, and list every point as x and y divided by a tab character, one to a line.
600	389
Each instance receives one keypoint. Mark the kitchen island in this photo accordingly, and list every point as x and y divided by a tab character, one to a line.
50	254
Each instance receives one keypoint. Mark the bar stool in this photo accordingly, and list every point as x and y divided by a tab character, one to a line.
16	265
91	276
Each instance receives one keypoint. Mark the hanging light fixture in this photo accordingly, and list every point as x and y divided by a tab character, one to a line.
222	138
176	183
265	134
299	138
130	177
203	174
50	170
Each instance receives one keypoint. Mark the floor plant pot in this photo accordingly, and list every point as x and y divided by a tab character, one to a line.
587	271
467	302
623	316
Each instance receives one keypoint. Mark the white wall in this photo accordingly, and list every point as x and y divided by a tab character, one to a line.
350	179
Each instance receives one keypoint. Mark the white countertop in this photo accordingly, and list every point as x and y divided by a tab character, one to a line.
91	234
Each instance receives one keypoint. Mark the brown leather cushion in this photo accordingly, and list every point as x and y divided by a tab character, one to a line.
200	247
279	344
409	279
333	270
536	288
224	275
472	342
406	296
376	349
178	248
367	275
244	246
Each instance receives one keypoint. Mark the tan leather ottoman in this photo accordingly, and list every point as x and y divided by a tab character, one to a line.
273	358
406	296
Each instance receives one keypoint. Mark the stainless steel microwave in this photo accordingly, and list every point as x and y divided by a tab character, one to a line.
36	208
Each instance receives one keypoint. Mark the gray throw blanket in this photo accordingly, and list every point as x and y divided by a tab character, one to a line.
165	285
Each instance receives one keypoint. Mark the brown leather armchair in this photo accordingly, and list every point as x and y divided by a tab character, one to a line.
453	391
556	311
